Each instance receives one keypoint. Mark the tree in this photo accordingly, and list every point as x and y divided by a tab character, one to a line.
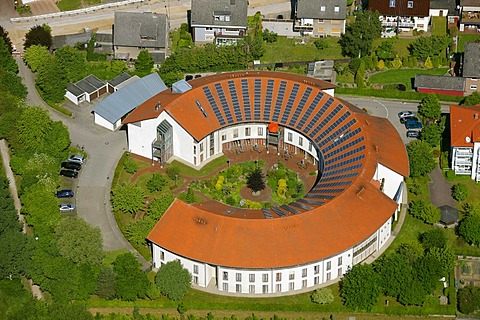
426	212
433	239
128	198
428	271
15	253
430	107
420	157
428	63
7	62
394	270
35	56
444	256
157	207
137	230
73	63
469	229
79	242
52	81
320	44
397	62
32	127
460	191
106	283
11	84
156	182
358	37
255	180
41	209
38	35
131	282
6	38
359	288
468	299
432	134
471	100
173	280
425	47
322	296
270	36
144	63
360	76
386	50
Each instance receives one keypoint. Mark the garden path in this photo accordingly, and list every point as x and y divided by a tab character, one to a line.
440	189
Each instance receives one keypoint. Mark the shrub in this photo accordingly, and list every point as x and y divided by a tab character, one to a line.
172	171
426	212
428	63
156	182
130	166
322	296
460	192
320	44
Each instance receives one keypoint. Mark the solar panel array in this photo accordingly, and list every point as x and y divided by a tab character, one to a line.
332	128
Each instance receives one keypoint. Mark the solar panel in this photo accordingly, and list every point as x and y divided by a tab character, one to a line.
339	136
290	101
318	115
279	212
224	103
236	105
290	209
246	100
310	109
214	105
268	100
344	147
267	214
279	101
345	155
331	127
300	106
327	173
257	99
301	205
328	117
315	202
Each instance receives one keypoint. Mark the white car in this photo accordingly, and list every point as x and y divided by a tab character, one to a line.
403	114
78	158
67	207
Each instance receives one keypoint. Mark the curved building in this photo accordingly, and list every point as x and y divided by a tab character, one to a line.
344	218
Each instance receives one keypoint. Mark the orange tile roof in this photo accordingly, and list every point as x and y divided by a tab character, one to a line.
464	125
356	142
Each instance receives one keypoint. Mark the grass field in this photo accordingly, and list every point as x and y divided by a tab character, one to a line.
439	25
400	45
67	5
404	76
466	38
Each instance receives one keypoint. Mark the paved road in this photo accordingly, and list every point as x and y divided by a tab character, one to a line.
104	149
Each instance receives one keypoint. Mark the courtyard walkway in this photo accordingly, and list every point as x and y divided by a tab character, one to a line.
440	189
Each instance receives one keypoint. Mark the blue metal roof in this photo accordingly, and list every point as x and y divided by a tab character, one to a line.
119	103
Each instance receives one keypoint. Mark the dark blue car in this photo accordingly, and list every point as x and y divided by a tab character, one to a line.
413	124
66	193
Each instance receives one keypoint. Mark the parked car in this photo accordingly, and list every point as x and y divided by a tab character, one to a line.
403	114
77	158
67	207
405	119
412	124
65	193
71	165
413	134
69	173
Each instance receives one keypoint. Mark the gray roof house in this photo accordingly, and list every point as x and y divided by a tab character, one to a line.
471	60
87	89
136	31
110	111
71	39
446	85
221	21
320	18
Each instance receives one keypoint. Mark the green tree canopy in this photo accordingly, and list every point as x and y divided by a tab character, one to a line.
106	283
38	35
35	56
144	63
322	296
52	81
430	107
468	299
358	37
424	211
6	38
11	84
131	282
255	180
73	62
460	191
79	242
173	280
471	100
432	46
420	157
33	126
395	270
435	238
359	288
128	198
7	62
386	50
469	229
15	254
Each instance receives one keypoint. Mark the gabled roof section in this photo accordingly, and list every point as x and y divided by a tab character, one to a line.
440	82
119	79
120	103
204	12
464	125
88	85
469	3
450	5
181	86
471	60
140	29
401	8
70	39
322	9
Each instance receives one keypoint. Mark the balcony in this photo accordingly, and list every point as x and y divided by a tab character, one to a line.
400	24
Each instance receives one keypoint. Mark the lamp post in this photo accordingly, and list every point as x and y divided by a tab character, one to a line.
176	178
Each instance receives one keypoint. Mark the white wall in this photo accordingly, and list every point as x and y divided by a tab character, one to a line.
296	142
103	122
392	180
436	12
70	96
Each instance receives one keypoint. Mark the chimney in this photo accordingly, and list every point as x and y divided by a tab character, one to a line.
475	116
157	106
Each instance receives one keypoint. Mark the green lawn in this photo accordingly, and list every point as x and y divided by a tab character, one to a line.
439	26
466	38
400	45
67	5
404	76
290	49
206	169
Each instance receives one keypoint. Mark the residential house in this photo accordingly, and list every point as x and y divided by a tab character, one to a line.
72	40
404	15
445	8
471	67
320	18
465	140
137	31
87	89
322	70
469	16
222	22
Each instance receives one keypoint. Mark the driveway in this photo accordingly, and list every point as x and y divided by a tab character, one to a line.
104	149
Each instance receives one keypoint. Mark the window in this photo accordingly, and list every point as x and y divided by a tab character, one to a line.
279	276
225	275
195	269
304	283
251	288
316	269
248	131
304	272
473	87
162	255
291	286
201	147
329	265
195	279
300	141
251	277
264	288
260	131
224	137
290	137
329	276
194	149
235	133
340	261
320	21
238	277
336	9
310	147
392	3
410	4
322	8
225	287
238	288
278	288
291	276
265	277
316	280
339	274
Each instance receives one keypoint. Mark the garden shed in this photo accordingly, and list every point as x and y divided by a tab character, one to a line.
87	89
448	215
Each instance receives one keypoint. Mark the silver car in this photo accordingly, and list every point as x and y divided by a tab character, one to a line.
67	207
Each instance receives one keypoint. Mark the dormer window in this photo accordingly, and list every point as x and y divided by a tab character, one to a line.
410	4
392	3
322	8
221	16
336	9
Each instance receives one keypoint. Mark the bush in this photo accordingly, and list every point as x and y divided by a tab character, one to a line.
129	165
426	212
320	44
156	182
322	296
173	171
460	192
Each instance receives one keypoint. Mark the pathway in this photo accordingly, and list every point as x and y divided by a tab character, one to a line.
440	189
